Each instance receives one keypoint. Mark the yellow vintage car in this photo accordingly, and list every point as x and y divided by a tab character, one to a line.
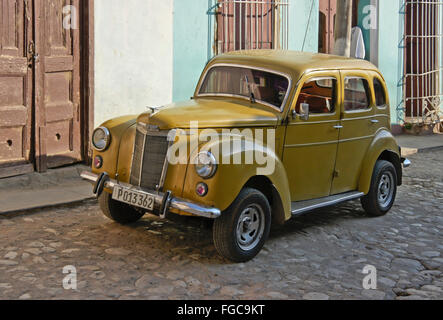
268	135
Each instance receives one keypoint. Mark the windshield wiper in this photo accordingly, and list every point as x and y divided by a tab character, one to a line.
251	94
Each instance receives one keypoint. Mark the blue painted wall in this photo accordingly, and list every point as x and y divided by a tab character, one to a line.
190	45
193	32
388	47
303	25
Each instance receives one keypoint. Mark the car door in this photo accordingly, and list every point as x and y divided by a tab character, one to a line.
358	127
311	145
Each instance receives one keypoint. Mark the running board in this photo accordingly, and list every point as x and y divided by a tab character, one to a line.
300	207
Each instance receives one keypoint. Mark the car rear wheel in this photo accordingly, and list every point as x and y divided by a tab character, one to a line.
118	211
383	190
241	231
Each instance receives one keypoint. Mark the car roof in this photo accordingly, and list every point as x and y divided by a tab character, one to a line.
294	62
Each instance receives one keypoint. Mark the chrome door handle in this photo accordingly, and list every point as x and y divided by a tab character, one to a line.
374	121
338	127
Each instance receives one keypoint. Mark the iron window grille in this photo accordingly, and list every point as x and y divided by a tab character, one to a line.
249	24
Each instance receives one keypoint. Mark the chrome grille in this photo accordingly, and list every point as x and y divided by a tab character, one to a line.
149	160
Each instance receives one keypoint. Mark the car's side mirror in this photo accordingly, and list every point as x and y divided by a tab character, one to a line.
304	111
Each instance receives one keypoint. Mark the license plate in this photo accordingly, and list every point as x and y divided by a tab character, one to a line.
134	198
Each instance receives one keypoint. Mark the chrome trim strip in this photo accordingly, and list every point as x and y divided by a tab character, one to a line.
142	159
365	118
357	138
133	153
358	111
326	203
161	183
299	123
328	142
176	203
311	144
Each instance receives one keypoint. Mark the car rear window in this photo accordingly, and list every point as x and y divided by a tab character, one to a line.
356	94
380	94
266	87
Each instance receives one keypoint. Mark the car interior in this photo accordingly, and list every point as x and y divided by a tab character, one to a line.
265	86
320	94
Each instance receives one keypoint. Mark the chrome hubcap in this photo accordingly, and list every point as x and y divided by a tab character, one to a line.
250	227
385	190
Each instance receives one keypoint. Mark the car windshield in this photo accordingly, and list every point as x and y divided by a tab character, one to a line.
265	87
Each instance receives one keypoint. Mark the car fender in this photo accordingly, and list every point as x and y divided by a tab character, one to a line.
383	141
230	179
121	139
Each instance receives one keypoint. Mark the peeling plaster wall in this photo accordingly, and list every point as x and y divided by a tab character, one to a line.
133	56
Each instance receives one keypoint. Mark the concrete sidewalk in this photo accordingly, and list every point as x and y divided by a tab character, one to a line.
64	185
40	190
415	144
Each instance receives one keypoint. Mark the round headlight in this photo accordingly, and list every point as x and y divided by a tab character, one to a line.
206	165
101	138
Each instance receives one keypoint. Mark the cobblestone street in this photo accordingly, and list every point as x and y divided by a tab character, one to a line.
317	256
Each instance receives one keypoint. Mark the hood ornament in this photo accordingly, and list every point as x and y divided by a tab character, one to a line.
154	109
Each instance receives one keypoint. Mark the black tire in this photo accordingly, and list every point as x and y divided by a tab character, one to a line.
254	211
381	197
118	211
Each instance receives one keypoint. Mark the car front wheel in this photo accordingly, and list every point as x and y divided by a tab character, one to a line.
241	231
383	190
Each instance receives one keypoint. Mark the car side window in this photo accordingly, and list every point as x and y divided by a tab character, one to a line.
380	94
356	95
320	94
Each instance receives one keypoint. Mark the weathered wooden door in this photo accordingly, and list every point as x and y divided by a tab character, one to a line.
327	14
15	87
57	83
40	84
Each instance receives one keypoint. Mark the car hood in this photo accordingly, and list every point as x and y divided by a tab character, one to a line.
211	113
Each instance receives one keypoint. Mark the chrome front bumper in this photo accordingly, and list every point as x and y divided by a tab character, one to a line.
164	200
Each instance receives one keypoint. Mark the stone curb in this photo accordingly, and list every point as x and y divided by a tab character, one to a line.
44	206
38	191
405	152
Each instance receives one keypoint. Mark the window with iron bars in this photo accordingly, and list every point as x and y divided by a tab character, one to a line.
422	44
250	24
